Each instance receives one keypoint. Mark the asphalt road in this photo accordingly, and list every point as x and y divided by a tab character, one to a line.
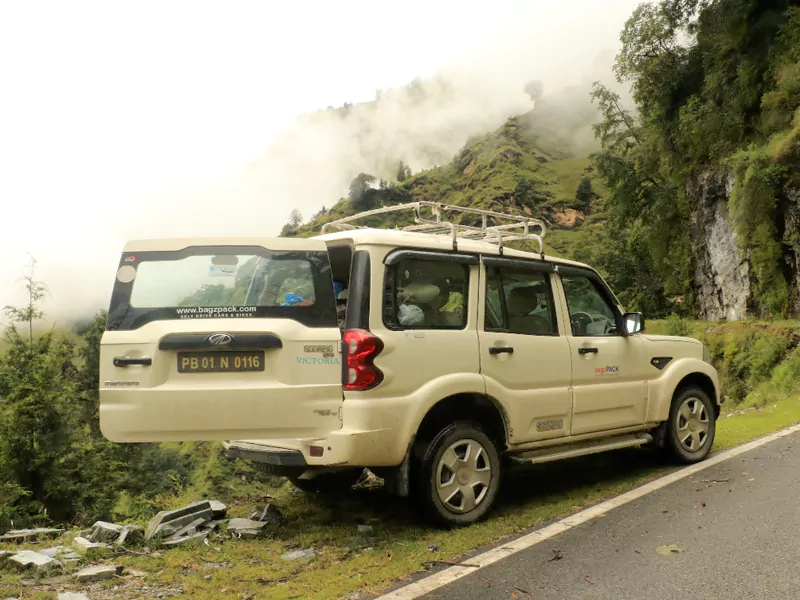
736	526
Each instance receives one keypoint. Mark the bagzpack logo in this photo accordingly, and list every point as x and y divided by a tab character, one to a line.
607	370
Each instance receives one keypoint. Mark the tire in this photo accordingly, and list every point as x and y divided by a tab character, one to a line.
692	426
442	491
335	481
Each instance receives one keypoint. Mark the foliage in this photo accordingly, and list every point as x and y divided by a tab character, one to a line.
716	86
584	195
403	172
55	465
30	312
359	188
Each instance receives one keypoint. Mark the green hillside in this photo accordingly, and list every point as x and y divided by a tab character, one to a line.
520	168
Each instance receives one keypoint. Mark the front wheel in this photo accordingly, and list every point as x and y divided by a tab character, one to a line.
691	427
459	475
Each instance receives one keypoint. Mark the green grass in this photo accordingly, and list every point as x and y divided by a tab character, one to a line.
531	497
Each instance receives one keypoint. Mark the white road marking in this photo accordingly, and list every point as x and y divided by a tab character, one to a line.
442	578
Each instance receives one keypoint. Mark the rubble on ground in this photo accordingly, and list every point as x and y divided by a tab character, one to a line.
33	561
194	522
71	596
306	555
268	514
30	535
99	573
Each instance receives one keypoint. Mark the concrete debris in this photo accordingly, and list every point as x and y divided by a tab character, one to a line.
35	561
53	552
365	529
99	573
71	596
176	541
246	528
5	555
130	534
268	514
218	509
105	532
187	530
169	522
84	546
306	555
29	535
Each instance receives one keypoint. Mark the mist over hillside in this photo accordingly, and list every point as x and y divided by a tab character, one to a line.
311	161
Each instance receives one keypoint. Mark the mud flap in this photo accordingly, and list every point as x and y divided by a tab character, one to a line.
397	480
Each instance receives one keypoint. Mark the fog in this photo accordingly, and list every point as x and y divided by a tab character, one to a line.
74	189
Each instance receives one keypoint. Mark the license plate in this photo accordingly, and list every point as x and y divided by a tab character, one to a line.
220	362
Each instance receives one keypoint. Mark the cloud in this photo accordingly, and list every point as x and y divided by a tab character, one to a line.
152	149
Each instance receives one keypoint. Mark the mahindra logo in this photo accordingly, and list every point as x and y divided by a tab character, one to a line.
220	339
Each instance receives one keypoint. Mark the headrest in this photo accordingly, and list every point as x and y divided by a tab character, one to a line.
523	300
420	292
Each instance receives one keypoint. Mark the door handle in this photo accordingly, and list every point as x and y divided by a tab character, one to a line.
587	350
122	361
501	350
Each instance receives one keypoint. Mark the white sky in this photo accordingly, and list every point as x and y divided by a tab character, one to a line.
112	111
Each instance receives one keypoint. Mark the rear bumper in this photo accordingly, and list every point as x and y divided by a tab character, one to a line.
279	457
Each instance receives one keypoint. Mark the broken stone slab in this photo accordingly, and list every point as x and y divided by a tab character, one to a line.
168	522
22	535
268	514
218	509
71	596
306	555
188	530
130	534
84	546
105	532
34	561
98	573
245	524
246	528
177	541
5	555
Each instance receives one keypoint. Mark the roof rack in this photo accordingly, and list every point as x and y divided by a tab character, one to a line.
507	228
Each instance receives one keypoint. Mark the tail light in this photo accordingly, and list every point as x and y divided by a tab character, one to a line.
362	348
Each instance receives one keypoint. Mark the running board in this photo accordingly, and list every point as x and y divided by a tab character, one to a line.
581	449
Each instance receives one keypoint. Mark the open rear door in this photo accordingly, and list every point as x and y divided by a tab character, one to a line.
213	339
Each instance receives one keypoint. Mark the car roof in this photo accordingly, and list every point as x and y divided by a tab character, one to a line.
412	239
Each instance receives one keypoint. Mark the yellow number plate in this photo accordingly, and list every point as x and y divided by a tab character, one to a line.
220	362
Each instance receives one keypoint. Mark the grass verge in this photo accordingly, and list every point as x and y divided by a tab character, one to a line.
344	568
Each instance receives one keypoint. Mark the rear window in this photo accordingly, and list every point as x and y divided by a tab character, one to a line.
223	283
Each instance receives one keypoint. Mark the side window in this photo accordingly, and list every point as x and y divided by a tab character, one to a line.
590	313
426	294
519	302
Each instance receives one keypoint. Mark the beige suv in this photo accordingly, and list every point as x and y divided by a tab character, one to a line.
453	356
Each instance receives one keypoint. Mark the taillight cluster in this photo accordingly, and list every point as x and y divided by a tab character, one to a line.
362	348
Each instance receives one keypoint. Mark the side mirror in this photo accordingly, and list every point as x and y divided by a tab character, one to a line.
633	322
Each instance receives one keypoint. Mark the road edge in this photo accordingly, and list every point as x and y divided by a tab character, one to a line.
451	574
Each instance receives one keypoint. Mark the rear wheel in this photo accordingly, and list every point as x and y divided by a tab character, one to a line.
334	481
691	427
458	476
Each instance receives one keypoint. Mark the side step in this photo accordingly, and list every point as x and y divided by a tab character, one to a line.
581	449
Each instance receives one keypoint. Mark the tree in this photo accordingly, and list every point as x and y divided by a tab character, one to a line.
584	195
295	219
30	312
359	190
403	172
